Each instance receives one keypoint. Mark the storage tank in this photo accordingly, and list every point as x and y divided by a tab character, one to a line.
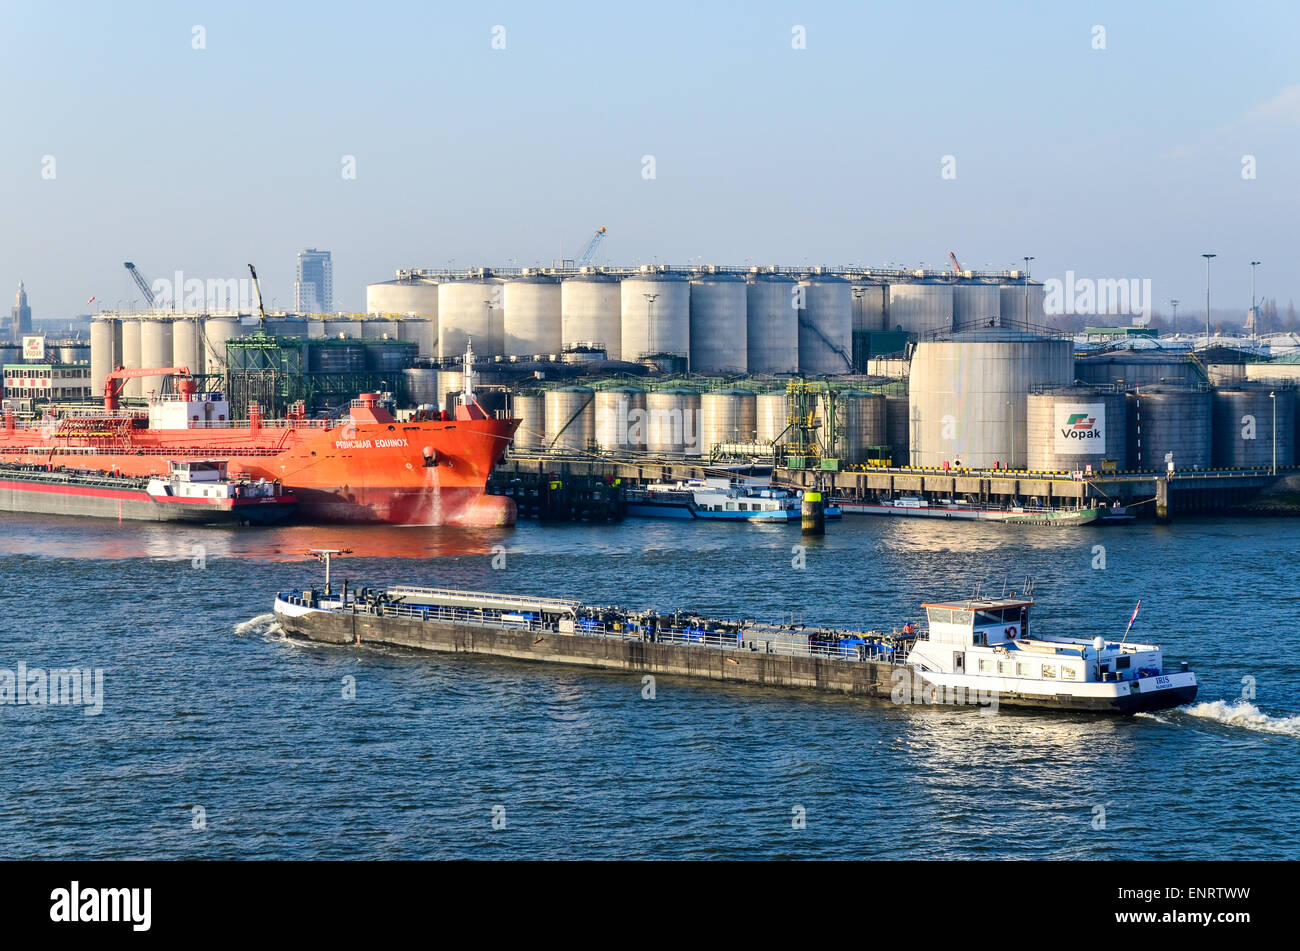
969	395
217	331
727	416
450	383
421	331
343	327
187	348
72	353
897	428
621	419
533	321
718	323
422	386
1127	368
103	352
418	297
530	410
131	355
1072	427
920	307
570	418
771	323
869	299
772	416
470	308
1165	420
661	326
859	424
1022	303
825	325
389	356
337	356
295	327
591	312
377	328
1243	426
976	302
673	422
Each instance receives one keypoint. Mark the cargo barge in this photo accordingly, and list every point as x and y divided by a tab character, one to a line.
718	499
916	507
978	650
198	492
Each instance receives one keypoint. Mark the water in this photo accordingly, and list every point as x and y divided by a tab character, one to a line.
207	705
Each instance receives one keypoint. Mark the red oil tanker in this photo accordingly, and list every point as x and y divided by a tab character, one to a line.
366	468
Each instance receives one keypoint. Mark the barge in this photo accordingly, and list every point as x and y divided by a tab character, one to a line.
977	650
718	499
197	492
916	507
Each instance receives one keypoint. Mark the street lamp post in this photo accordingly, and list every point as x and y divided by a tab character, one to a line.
1028	258
1254	317
1207	294
1174	320
1272	395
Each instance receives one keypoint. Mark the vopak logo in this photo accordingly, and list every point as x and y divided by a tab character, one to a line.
1081	428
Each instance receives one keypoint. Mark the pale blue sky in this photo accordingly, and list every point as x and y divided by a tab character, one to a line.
1123	162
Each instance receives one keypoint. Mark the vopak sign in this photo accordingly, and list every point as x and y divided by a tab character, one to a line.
1081	428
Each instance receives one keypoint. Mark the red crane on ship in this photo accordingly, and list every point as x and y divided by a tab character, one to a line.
114	382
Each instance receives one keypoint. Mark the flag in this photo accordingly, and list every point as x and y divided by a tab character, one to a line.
91	301
1135	612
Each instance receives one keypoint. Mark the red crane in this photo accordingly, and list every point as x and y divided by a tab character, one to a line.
955	266
115	380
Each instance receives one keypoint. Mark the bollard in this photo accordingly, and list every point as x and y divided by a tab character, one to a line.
813	514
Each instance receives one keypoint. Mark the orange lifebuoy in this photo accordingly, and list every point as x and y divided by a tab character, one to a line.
1011	633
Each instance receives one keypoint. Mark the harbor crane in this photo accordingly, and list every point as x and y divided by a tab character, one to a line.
140	282
955	266
260	309
590	250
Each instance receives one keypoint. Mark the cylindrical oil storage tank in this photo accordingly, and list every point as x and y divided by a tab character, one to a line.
421	331
155	347
976	303
859	424
530	410
570	418
1072	427
131	354
337	356
659	326
591	312
296	327
422	386
621	419
772	323
103	352
532	322
673	422
970	391
772	414
450	382
825	325
1243	426
1137	368
73	353
1023	303
727	416
389	356
187	346
897	428
718	323
470	308
217	332
920	307
869	299
404	298
343	327
1165	421
376	328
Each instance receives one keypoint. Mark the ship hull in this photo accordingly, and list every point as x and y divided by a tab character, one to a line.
417	473
134	504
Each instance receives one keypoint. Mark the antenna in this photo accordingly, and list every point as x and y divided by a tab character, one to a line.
324	555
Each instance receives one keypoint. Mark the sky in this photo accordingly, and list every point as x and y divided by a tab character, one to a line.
1109	139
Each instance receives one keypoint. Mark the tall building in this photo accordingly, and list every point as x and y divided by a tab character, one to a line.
313	292
20	315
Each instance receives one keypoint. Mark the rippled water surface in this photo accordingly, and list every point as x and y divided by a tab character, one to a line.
206	705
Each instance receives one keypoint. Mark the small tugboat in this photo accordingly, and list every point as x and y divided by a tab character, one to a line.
197	491
718	498
975	651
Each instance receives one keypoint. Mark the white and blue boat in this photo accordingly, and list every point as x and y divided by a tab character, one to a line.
718	498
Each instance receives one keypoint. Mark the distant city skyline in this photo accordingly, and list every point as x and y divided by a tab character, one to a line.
786	136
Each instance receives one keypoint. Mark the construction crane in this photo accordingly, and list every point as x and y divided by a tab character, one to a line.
590	250
115	380
955	266
260	309
140	282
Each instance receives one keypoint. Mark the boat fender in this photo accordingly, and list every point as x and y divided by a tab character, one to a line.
1011	633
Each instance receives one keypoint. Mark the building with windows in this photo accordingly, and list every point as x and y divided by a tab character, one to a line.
47	381
20	316
313	292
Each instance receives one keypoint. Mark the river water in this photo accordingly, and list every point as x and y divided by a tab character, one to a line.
217	737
